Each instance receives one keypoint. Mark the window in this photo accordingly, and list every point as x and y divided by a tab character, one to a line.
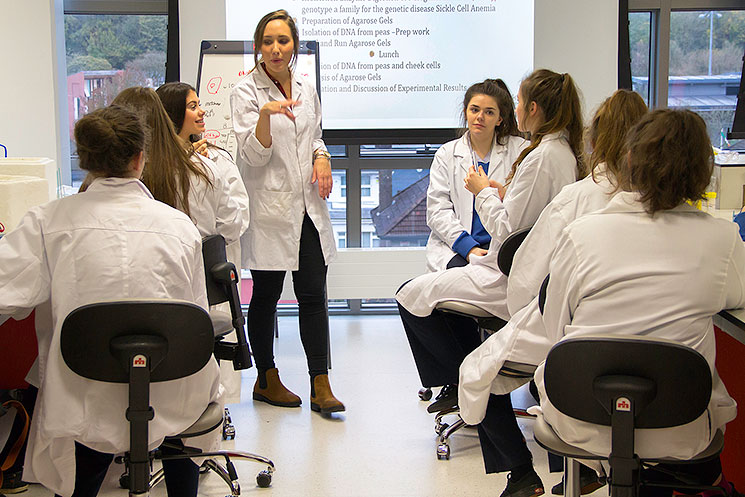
695	57
706	50
640	26
338	206
397	215
107	53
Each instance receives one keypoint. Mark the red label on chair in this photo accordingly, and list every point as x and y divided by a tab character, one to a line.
623	404
139	361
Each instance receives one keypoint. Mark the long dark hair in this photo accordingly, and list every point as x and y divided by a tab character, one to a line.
497	89
168	169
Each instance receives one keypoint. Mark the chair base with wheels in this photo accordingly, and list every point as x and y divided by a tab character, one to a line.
487	324
210	420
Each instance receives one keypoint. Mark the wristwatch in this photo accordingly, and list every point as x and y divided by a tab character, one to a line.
321	153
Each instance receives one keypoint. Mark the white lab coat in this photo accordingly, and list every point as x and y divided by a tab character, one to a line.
523	339
278	178
112	242
220	209
621	271
223	210
231	184
449	204
538	179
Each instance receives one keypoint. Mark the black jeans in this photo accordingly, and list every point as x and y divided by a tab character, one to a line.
439	343
309	283
503	446
182	475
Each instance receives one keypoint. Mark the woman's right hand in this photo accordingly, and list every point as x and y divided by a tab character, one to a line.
280	107
476	251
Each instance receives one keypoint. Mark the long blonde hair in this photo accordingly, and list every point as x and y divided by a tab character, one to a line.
168	167
608	128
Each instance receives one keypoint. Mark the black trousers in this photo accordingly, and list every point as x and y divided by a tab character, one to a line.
439	343
309	283
182	475
503	446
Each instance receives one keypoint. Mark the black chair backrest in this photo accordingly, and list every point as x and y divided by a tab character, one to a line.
213	253
88	331
578	368
508	248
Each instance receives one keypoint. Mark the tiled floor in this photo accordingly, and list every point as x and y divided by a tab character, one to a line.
383	445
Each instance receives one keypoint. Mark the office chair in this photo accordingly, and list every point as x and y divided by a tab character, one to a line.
139	342
487	324
625	382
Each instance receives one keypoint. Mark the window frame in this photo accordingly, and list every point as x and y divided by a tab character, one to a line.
659	38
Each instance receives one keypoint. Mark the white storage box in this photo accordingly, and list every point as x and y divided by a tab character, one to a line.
41	167
730	174
17	195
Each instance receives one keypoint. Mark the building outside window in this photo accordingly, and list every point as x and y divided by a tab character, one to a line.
106	54
706	50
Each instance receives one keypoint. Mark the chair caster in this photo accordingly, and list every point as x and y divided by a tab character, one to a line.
264	479
124	481
425	394
443	452
228	430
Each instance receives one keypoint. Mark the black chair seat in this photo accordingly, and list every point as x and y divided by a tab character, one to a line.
222	322
517	369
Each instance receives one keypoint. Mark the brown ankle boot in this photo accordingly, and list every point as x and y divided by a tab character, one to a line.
322	398
275	392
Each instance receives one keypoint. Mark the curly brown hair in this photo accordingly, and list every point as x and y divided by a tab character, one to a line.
670	159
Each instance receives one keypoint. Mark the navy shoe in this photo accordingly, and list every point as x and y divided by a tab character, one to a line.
446	399
530	485
12	484
589	481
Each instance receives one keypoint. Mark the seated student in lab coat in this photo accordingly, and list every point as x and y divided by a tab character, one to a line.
650	264
483	394
112	242
548	108
181	102
183	179
492	142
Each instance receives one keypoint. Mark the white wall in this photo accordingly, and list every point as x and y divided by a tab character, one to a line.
579	37
33	72
198	22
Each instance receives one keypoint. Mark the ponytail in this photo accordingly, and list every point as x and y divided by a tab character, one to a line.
558	99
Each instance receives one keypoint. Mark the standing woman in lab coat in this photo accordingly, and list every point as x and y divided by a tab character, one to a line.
179	177
277	122
112	242
181	102
491	141
549	109
650	264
